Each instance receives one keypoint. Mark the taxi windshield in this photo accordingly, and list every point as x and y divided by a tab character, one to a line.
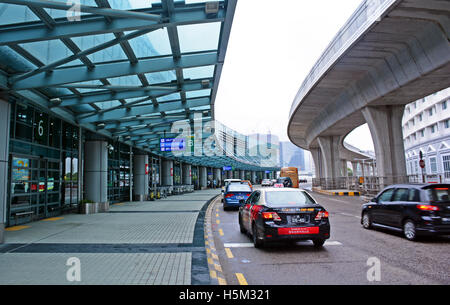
285	198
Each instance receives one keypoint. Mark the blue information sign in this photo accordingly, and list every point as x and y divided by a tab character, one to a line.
227	168
172	144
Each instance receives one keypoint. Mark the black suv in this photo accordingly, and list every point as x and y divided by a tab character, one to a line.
414	209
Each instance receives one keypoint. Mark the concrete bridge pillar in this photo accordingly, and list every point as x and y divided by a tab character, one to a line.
316	155
385	124
344	168
355	168
329	147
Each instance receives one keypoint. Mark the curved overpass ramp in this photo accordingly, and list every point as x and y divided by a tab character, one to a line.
389	53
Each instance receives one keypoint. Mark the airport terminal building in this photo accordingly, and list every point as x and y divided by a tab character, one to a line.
87	105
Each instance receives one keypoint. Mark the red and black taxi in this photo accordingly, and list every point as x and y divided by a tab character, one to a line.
276	214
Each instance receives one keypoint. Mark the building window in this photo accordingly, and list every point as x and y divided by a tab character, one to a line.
447	124
420	117
433	165
433	128
422	133
430	111
444	105
446	165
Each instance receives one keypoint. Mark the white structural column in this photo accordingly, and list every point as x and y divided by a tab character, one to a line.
203	175
5	114
385	124
96	171
253	177
187	174
217	172
329	147
242	175
140	177
167	172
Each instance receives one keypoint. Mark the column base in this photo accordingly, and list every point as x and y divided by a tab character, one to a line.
140	198
2	233
94	208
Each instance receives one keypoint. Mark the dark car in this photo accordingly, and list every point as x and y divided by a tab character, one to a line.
278	214
234	193
286	181
414	209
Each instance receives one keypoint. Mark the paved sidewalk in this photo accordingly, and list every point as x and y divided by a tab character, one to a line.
156	242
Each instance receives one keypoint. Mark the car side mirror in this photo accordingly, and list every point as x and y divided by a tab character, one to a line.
374	199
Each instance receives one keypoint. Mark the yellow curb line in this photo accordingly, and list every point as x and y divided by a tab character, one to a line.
16	228
215	269
229	253
241	279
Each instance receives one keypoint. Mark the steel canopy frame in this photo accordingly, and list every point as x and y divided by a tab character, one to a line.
84	90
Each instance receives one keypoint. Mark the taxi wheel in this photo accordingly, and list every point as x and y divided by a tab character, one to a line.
318	242
258	243
241	227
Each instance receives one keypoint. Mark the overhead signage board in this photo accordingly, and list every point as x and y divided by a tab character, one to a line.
172	144
176	144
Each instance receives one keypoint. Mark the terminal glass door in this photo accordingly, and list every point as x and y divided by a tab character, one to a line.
34	190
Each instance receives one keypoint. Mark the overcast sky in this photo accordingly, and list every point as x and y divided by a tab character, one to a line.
272	48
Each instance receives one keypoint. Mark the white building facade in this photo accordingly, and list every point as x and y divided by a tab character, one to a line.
426	129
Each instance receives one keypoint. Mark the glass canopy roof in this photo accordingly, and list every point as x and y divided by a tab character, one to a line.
109	64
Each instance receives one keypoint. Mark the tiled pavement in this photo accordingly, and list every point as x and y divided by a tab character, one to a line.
159	242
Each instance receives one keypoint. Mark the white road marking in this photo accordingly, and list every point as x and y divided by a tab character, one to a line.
345	214
250	245
238	245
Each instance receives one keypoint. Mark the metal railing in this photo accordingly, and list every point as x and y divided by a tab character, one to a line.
371	185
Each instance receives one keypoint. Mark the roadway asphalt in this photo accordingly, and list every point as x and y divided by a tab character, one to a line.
342	260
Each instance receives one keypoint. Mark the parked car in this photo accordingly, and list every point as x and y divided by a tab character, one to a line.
286	181
414	209
275	214
235	192
226	182
266	182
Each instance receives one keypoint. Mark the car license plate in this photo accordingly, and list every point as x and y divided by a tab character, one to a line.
298	219
239	197
446	220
